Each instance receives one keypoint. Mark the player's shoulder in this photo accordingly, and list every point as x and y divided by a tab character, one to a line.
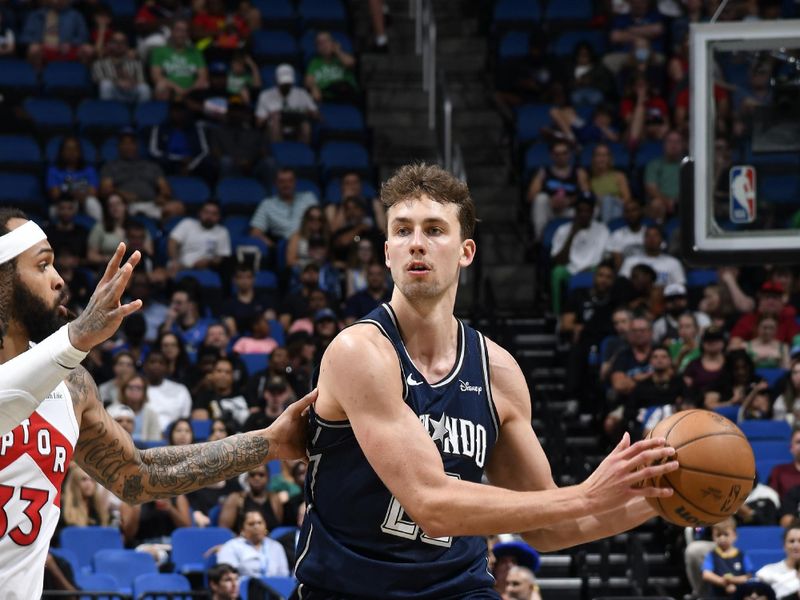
359	344
508	382
82	389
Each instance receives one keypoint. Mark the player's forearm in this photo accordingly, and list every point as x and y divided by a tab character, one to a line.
27	379
592	527
465	508
173	470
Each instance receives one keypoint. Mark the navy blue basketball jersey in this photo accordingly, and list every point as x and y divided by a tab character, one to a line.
356	540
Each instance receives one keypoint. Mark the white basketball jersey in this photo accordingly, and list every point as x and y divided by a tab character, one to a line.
34	458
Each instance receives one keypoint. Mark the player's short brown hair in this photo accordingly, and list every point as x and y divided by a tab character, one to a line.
411	182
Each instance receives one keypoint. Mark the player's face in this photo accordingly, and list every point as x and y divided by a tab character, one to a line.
424	249
39	291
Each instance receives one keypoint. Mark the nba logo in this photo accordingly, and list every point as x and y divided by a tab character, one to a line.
743	194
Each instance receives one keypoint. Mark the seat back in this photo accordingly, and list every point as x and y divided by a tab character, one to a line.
189	544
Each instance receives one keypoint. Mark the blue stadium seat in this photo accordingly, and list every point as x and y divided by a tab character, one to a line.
279	532
18	75
19	152
250	245
240	194
760	558
729	412
308	43
97	582
266	280
54	144
778	189
341	117
22	190
304	185
151	113
274	467
190	190
648	151
169	583
337	157
276	331
237	225
517	13
771	376
205	277
67	78
766	430
565	43
275	46
268	76
293	154
85	221
333	191
538	155
759	537
255	362
69	557
124	565
86	541
283	585
201	429
513	44
616	223
273	11
764	468
322	12
582	280
190	543
530	119
573	10
122	9
550	231
700	278
771	450
49	113
99	116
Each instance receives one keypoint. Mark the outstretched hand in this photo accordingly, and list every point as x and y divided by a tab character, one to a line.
287	435
623	473
104	312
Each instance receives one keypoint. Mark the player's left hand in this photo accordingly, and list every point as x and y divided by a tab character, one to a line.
287	435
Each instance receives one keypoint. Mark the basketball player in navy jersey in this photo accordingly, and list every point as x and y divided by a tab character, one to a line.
414	407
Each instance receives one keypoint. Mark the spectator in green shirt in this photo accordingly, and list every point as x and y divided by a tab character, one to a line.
329	75
662	178
177	68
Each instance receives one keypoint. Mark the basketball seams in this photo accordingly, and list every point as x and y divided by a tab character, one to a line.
685	499
706	436
675	424
715	474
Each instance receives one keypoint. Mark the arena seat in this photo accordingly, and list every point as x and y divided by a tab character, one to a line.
189	544
86	541
124	565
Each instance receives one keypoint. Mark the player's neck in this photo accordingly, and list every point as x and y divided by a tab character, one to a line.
428	328
15	342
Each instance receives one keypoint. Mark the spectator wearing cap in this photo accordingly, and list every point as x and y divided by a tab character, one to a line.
676	302
120	75
286	110
123	415
770	302
56	32
141	182
273	398
553	190
179	144
509	555
238	148
668	269
210	103
627	240
329	75
521	585
279	216
177	68
377	292
662	177
199	243
577	246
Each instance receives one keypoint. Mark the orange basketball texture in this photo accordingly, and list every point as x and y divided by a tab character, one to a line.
717	468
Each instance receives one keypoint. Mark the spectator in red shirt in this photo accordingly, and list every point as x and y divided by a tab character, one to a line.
786	476
770	302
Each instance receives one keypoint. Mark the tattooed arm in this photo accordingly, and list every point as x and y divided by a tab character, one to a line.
108	454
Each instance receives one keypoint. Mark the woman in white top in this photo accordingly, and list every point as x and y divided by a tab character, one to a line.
783	576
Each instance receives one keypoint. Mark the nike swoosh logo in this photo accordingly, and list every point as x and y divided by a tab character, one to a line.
410	380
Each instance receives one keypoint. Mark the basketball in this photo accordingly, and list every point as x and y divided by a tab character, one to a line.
717	468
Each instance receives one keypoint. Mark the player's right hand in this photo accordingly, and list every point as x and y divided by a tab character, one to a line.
621	475
104	312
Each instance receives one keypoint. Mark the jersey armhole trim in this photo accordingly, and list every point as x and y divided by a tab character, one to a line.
488	383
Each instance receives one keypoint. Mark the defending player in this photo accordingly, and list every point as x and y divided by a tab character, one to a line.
71	421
